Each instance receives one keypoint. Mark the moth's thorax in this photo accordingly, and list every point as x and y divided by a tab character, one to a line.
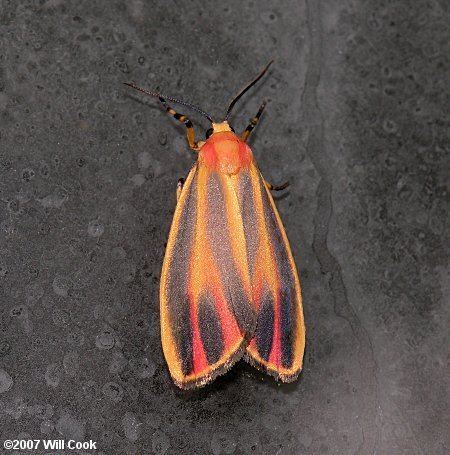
224	152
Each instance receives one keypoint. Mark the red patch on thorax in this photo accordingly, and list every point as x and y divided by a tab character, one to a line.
224	152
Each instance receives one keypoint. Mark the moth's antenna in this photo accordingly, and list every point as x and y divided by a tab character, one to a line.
174	100
236	98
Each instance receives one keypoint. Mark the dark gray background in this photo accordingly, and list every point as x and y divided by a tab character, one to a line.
358	122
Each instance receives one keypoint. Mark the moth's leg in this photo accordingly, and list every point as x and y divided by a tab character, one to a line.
180	185
187	123
276	187
253	122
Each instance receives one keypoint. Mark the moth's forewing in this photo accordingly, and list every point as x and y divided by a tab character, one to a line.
279	341
207	317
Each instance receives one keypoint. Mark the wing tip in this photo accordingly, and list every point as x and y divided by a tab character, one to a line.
277	375
198	382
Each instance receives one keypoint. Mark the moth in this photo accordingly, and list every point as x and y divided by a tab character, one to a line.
229	285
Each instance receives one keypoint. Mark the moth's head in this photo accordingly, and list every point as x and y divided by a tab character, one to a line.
219	128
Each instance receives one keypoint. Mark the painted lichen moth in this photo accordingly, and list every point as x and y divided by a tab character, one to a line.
229	284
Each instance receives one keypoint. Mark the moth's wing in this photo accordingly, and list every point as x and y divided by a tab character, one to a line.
207	317
279	340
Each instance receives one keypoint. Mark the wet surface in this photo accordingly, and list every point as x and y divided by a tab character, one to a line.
357	121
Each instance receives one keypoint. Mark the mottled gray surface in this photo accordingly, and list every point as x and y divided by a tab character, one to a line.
358	122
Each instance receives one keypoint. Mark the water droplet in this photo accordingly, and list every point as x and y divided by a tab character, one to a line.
128	271
390	126
5	347
76	338
131	426
153	419
160	443
162	138
61	286
95	229
118	253
118	363
91	390
306	439
3	271
222	443
47	427
105	339
113	391
71	363
144	160
19	311
28	174
70	428
60	317
44	170
53	201
13	206
6	381
33	293
53	375
44	411
138	179
144	368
